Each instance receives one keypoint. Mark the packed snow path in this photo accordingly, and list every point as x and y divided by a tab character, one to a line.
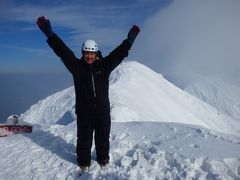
139	150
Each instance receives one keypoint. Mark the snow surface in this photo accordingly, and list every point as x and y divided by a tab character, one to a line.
158	132
223	96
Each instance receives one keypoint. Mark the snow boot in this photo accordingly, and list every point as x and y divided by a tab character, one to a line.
84	168
104	163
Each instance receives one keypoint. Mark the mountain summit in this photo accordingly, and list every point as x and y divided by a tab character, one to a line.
138	94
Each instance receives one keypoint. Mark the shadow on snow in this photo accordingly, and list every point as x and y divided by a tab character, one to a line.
55	144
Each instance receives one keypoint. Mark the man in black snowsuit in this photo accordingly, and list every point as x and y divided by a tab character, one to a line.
91	81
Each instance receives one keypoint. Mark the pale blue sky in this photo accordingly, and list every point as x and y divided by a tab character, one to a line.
23	47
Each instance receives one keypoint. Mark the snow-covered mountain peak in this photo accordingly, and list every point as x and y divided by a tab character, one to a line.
137	94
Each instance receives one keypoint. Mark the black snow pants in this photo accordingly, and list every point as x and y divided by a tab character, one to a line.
89	123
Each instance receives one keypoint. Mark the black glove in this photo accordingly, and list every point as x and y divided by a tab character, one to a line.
45	26
132	34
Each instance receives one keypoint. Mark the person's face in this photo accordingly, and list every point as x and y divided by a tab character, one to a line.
89	57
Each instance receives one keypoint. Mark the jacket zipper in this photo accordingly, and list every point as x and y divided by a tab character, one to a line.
94	89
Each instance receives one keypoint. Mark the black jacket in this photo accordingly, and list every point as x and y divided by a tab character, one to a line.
91	81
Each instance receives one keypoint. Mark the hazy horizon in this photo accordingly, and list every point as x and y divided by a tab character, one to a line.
21	90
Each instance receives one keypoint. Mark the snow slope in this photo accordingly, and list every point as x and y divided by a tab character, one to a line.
145	95
158	132
139	94
221	95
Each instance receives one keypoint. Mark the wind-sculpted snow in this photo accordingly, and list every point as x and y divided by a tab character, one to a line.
140	150
158	132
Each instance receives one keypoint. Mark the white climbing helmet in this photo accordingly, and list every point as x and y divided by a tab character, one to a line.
90	45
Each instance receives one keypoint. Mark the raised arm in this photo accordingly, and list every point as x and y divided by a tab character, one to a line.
118	54
58	46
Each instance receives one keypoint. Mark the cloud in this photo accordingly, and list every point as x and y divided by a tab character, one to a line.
105	22
32	50
193	37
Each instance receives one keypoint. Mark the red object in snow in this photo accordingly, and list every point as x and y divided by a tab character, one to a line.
6	130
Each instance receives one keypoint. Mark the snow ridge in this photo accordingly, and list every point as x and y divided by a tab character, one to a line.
221	95
51	109
139	94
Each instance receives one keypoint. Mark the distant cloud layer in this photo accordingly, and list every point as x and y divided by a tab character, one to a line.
190	38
